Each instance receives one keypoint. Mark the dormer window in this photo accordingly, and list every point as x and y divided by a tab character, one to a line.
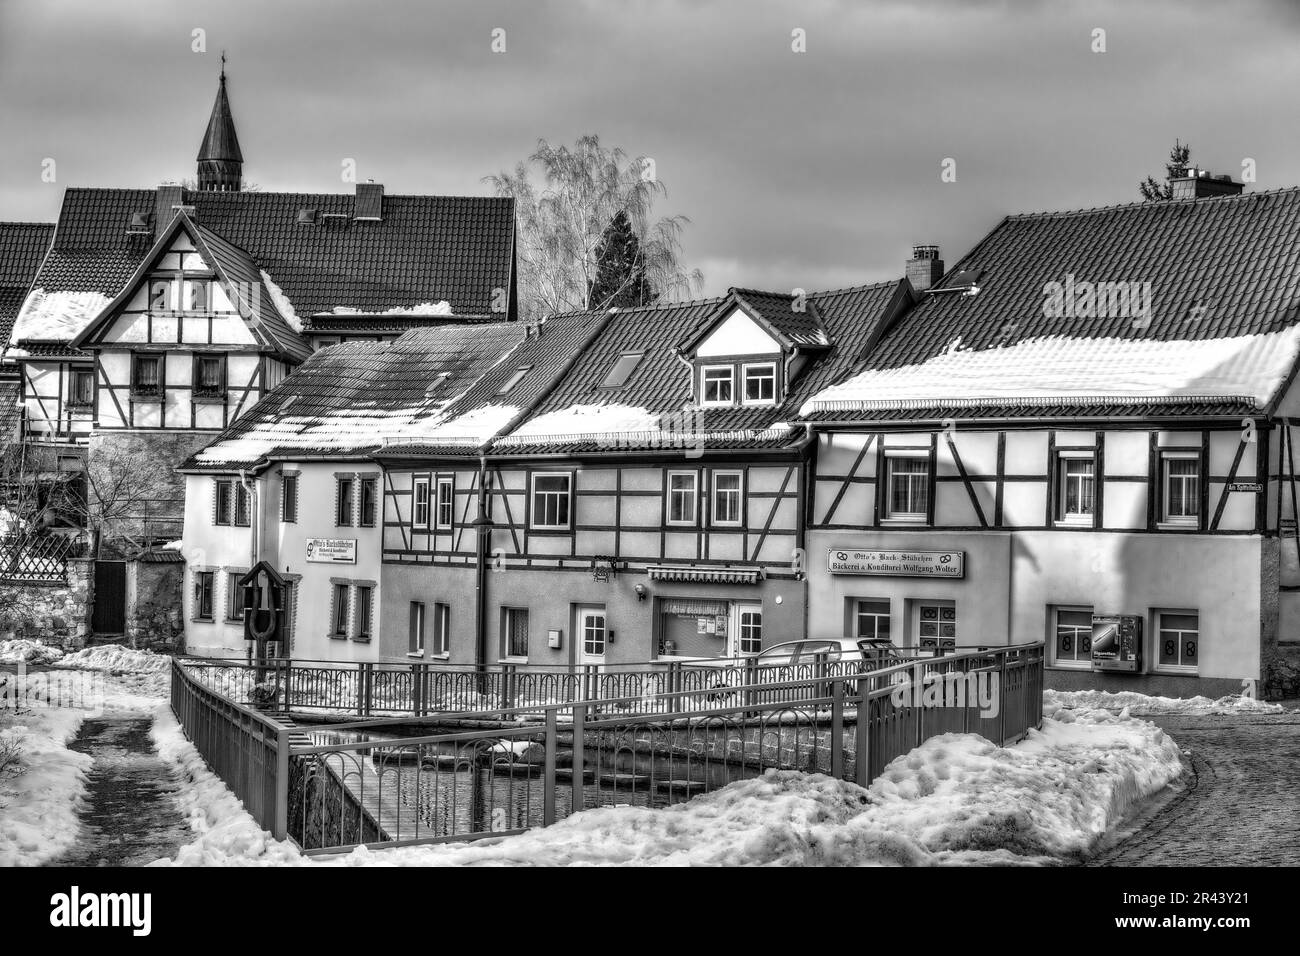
760	383
718	385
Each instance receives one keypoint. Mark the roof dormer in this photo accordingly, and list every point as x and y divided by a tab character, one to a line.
748	352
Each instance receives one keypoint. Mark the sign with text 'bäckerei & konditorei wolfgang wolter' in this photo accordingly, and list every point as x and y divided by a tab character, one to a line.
892	562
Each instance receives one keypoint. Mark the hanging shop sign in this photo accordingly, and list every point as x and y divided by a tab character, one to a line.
898	563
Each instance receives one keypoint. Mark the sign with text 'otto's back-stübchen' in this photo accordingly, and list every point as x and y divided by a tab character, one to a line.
891	562
332	550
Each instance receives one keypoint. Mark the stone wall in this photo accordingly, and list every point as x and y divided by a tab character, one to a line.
56	614
154	617
152	496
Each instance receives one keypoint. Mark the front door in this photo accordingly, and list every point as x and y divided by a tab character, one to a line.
746	638
592	635
108	616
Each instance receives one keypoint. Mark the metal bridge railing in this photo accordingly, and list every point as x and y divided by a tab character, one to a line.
383	782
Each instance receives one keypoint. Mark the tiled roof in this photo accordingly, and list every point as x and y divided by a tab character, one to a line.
656	396
426	248
796	326
23	246
352	398
1224	281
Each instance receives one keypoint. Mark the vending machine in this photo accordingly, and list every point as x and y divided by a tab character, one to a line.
1117	643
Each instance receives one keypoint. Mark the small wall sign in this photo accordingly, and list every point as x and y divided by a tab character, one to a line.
332	550
896	563
1251	486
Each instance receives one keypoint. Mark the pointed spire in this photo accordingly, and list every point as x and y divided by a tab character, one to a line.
220	160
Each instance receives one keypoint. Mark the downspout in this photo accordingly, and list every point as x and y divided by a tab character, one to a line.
254	516
482	540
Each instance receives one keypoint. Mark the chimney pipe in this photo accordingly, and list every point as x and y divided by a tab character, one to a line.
925	268
1199	184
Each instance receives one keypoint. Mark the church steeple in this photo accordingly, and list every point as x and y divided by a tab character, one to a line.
221	163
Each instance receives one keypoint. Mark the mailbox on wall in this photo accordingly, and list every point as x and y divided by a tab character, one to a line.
1117	643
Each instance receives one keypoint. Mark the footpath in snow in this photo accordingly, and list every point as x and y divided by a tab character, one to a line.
957	799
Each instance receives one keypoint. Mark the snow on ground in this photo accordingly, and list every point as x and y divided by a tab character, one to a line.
38	808
22	651
1056	367
956	799
225	833
56	315
1143	704
282	303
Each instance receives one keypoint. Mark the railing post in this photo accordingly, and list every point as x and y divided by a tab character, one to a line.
579	755
281	828
862	735
508	685
415	690
837	730
548	779
365	679
1002	703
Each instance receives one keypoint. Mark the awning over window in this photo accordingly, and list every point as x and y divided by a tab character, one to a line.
705	575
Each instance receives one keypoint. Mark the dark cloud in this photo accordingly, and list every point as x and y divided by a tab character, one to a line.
815	170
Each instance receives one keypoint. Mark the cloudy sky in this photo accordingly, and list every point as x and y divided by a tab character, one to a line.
816	169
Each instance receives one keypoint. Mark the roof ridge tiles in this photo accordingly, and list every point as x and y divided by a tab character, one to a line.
1156	205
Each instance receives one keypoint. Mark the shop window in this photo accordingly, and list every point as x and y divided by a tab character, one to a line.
1072	636
871	619
1178	640
751	631
936	625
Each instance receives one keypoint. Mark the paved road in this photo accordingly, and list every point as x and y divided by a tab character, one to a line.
1239	805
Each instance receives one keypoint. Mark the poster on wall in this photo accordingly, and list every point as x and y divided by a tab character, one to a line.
897	563
332	550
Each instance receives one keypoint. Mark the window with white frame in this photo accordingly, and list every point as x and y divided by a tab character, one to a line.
550	501
907	486
1178	640
718	385
760	383
415	632
445	511
514	632
1180	488
751	631
871	618
1072	636
1076	487
683	496
420	503
441	629
726	498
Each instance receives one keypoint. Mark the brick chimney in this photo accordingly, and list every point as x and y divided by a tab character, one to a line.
925	268
369	203
1199	184
166	198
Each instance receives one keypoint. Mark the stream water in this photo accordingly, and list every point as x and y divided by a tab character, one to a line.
129	817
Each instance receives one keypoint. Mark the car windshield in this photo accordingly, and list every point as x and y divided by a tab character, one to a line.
812	649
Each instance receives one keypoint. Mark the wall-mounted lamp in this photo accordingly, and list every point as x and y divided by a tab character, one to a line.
641	592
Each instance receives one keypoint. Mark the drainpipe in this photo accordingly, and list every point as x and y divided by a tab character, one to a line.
254	516
482	540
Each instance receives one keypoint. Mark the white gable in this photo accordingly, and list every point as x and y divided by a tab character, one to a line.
738	334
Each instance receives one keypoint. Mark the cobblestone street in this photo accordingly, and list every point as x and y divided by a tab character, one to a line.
1239	805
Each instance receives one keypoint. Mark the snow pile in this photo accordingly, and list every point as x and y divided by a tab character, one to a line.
476	425
225	833
282	303
1058	368
957	799
115	658
22	651
38	808
1143	704
56	316
422	308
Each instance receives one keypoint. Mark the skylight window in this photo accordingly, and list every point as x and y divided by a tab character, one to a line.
622	370
514	379
436	386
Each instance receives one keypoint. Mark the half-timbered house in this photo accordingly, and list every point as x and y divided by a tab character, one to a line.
647	506
1084	430
23	246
